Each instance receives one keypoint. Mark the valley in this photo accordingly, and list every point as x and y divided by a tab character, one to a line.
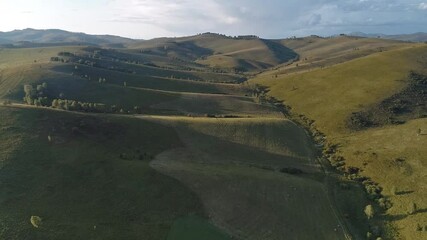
212	137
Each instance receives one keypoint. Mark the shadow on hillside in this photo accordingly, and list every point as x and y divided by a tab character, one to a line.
395	217
281	52
423	210
404	192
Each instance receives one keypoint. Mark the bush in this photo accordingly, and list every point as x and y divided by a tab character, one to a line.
369	211
36	221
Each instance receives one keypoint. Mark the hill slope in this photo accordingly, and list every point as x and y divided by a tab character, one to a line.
391	155
59	36
414	37
218	51
157	135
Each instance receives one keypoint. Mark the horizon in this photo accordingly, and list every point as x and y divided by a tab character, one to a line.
218	33
148	19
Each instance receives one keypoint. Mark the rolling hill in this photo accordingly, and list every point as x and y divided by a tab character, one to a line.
414	37
330	97
168	139
184	107
219	51
52	36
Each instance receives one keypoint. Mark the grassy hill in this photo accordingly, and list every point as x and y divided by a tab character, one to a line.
218	51
197	115
317	52
73	181
60	36
169	133
242	186
331	95
413	37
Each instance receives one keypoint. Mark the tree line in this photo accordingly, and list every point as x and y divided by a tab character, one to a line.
38	96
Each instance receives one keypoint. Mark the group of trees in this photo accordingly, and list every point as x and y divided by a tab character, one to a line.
36	96
72	105
58	59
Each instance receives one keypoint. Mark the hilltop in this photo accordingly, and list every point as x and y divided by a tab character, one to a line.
413	37
52	36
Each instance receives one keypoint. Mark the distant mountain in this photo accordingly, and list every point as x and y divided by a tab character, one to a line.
59	36
414	37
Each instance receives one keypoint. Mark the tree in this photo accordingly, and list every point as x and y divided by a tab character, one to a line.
37	102
29	100
124	84
369	211
55	103
44	101
74	105
28	89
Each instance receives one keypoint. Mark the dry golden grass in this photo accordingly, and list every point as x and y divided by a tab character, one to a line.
395	156
318	52
330	95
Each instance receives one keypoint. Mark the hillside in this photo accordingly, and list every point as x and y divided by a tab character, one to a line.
414	37
81	101
317	52
168	139
218	51
391	154
59	36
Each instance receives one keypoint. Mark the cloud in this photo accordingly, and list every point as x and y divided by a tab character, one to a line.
269	19
314	19
182	15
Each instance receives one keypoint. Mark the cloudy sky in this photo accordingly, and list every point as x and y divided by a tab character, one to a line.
266	18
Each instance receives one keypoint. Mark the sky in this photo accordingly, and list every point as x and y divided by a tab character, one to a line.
146	19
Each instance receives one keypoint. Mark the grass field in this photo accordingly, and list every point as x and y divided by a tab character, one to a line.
73	181
316	52
241	186
329	96
204	160
193	227
339	90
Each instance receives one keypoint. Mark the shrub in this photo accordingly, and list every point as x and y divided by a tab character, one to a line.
369	211
36	221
